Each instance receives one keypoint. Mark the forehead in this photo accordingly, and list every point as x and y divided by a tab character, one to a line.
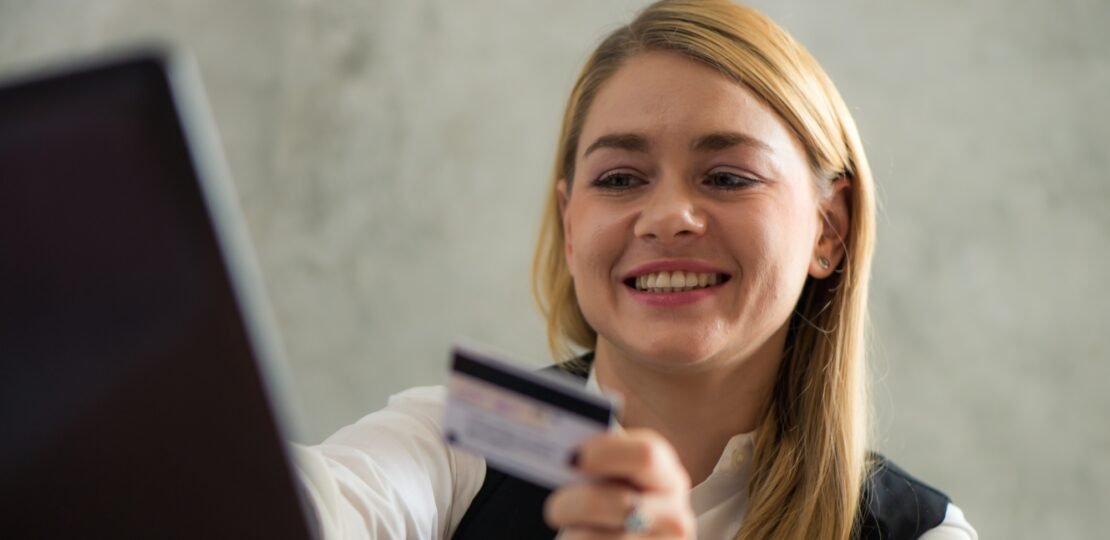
668	97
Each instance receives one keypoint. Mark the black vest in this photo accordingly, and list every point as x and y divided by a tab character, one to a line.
893	506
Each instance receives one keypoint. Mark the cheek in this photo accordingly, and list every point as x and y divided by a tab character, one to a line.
792	219
594	240
773	246
794	250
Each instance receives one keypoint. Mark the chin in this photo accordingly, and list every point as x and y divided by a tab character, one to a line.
671	356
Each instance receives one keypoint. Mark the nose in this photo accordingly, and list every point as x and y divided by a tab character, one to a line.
670	213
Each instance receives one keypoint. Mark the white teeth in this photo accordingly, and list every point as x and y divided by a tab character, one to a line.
676	281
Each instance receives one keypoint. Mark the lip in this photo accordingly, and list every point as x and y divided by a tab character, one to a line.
673	299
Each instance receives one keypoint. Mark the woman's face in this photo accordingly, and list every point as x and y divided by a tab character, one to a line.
691	221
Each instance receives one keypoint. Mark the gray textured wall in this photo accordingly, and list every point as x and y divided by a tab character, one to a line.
390	158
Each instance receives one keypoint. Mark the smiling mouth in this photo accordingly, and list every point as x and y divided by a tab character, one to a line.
677	281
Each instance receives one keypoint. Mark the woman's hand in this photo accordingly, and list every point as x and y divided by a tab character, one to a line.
642	485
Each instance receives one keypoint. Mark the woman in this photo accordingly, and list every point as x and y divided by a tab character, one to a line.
708	237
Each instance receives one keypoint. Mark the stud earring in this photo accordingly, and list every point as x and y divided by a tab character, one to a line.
824	262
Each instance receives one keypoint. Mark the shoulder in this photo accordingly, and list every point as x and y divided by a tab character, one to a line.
888	483
954	527
896	504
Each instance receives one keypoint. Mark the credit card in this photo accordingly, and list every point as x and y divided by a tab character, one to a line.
525	423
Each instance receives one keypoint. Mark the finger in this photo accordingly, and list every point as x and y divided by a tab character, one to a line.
602	505
607	508
592	534
642	457
663	516
587	534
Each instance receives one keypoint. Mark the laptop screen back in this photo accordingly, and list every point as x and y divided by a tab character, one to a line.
131	403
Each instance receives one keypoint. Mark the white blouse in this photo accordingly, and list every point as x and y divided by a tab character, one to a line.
391	476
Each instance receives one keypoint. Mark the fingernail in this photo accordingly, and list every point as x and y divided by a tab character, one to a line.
573	459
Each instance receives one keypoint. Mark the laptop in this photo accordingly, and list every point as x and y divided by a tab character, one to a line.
138	363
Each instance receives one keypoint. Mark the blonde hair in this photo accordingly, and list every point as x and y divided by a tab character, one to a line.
810	458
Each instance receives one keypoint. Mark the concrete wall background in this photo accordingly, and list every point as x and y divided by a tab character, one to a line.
390	158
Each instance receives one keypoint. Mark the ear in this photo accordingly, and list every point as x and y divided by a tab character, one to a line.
834	217
562	198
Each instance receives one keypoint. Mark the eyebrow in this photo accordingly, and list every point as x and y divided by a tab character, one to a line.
727	139
634	142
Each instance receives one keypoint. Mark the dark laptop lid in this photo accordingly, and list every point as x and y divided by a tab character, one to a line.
134	357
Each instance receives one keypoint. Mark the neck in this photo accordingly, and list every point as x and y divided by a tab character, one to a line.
697	407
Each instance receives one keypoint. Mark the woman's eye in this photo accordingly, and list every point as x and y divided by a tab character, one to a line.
617	181
729	180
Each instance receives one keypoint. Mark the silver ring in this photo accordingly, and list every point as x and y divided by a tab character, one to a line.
637	521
